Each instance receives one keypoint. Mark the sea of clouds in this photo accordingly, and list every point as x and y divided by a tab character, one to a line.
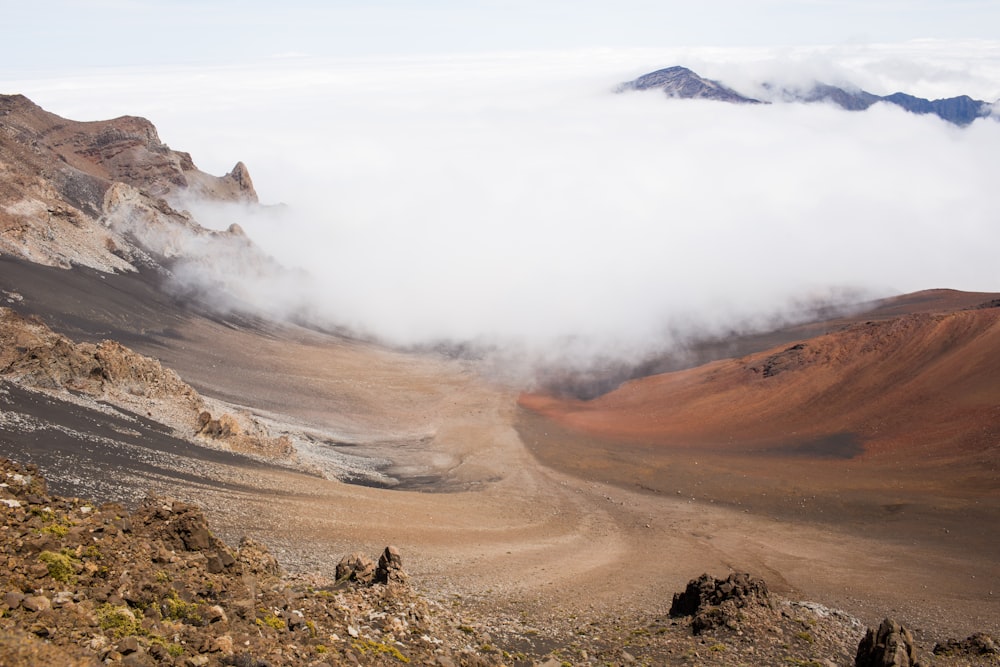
515	200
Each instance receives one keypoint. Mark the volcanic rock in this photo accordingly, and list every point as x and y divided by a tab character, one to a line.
134	609
714	603
978	645
34	356
256	559
889	646
356	567
390	567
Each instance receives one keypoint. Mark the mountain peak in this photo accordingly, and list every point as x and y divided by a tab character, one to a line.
681	82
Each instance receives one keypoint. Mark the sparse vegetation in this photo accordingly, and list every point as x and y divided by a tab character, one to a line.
60	565
368	646
119	621
271	620
177	609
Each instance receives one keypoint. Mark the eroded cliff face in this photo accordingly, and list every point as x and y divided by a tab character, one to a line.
100	194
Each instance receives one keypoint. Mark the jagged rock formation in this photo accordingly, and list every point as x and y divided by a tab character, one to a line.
889	646
35	356
356	567
680	82
98	153
713	603
98	193
390	567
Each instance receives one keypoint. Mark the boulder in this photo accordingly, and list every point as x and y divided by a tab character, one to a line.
36	603
889	646
356	567
977	645
390	567
256	559
715	603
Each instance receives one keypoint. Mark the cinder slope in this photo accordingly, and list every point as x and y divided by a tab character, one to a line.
914	382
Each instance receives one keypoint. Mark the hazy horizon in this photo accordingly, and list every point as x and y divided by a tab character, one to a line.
510	197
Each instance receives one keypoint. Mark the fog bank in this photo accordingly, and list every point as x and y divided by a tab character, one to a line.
515	200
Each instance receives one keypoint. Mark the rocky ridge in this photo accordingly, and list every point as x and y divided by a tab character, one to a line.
681	82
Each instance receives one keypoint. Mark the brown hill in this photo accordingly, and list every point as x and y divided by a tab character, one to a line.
919	382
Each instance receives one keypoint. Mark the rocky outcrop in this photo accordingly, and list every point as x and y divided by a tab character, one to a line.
84	584
713	603
390	567
35	357
95	154
356	567
979	646
891	645
98	193
244	435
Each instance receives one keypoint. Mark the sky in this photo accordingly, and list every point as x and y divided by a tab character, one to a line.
465	172
59	33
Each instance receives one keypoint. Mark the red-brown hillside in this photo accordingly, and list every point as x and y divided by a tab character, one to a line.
921	381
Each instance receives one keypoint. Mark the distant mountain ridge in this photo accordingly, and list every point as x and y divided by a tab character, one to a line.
683	83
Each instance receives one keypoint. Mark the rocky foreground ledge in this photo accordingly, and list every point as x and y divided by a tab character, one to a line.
86	584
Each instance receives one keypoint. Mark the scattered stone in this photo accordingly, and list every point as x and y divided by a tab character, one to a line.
36	603
215	614
62	598
128	645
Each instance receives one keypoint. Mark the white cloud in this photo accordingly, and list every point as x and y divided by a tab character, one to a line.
515	198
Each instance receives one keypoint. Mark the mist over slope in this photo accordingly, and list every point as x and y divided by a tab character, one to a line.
514	201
